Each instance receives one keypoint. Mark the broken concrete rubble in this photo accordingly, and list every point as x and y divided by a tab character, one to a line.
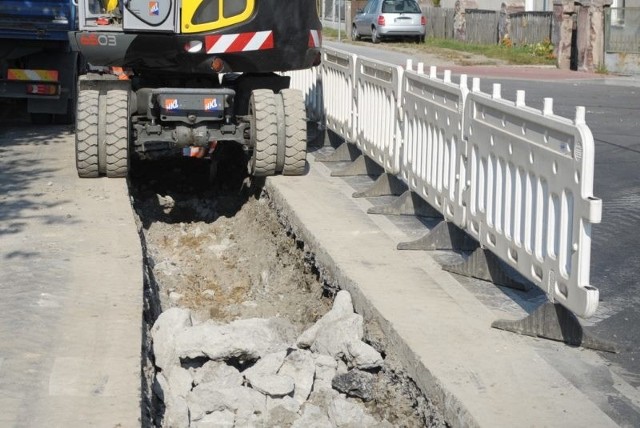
250	373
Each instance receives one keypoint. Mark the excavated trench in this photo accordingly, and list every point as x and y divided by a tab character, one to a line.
217	247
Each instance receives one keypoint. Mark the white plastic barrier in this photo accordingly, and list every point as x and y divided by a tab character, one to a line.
338	73
308	81
433	163
530	198
378	126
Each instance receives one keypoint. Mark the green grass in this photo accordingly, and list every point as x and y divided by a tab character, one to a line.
330	33
522	55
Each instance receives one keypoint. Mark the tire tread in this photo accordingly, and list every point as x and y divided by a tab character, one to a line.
87	134
296	132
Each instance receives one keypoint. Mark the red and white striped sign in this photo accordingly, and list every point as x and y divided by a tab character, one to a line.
243	42
315	39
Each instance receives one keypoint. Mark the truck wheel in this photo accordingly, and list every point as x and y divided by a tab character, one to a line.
264	132
295	121
87	134
117	133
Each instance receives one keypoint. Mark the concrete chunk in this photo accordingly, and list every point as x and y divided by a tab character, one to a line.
312	417
247	339
300	366
345	414
363	356
342	306
272	385
220	419
218	373
336	335
163	333
247	404
267	365
326	367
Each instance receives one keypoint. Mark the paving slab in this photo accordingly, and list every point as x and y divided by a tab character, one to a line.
476	375
71	288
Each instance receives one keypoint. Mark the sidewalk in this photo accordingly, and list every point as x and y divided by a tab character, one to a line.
71	289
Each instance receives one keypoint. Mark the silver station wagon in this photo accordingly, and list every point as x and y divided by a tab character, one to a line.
382	19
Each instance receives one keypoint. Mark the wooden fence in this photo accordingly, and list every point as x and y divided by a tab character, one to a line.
439	22
482	25
528	28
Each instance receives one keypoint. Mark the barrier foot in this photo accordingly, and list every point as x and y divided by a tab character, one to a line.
445	236
346	152
384	185
554	321
483	264
361	166
408	203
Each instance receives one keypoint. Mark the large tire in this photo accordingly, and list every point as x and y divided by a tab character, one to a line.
87	134
295	121
264	132
117	133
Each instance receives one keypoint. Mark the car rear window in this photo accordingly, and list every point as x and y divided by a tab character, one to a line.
400	6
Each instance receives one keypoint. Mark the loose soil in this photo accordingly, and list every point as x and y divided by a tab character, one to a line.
218	248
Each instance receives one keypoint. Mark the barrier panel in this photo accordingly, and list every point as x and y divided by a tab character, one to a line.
337	72
433	163
377	112
308	81
530	198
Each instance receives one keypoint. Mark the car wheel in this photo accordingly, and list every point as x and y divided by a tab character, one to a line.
374	35
354	33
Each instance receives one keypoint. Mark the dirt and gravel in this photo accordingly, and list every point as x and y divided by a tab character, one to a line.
217	247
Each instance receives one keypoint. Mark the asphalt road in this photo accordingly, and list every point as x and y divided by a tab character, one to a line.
613	114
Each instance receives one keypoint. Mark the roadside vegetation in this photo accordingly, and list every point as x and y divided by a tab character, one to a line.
539	53
506	52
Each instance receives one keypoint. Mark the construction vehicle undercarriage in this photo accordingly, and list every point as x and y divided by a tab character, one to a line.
181	93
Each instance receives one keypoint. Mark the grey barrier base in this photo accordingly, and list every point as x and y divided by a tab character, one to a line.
445	236
409	203
554	321
385	185
361	166
483	264
343	153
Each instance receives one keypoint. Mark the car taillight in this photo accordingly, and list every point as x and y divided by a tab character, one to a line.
381	20
423	20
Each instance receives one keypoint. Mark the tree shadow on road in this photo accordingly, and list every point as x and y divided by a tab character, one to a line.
28	171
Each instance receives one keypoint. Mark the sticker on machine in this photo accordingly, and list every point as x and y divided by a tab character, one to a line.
171	104
211	104
154	8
